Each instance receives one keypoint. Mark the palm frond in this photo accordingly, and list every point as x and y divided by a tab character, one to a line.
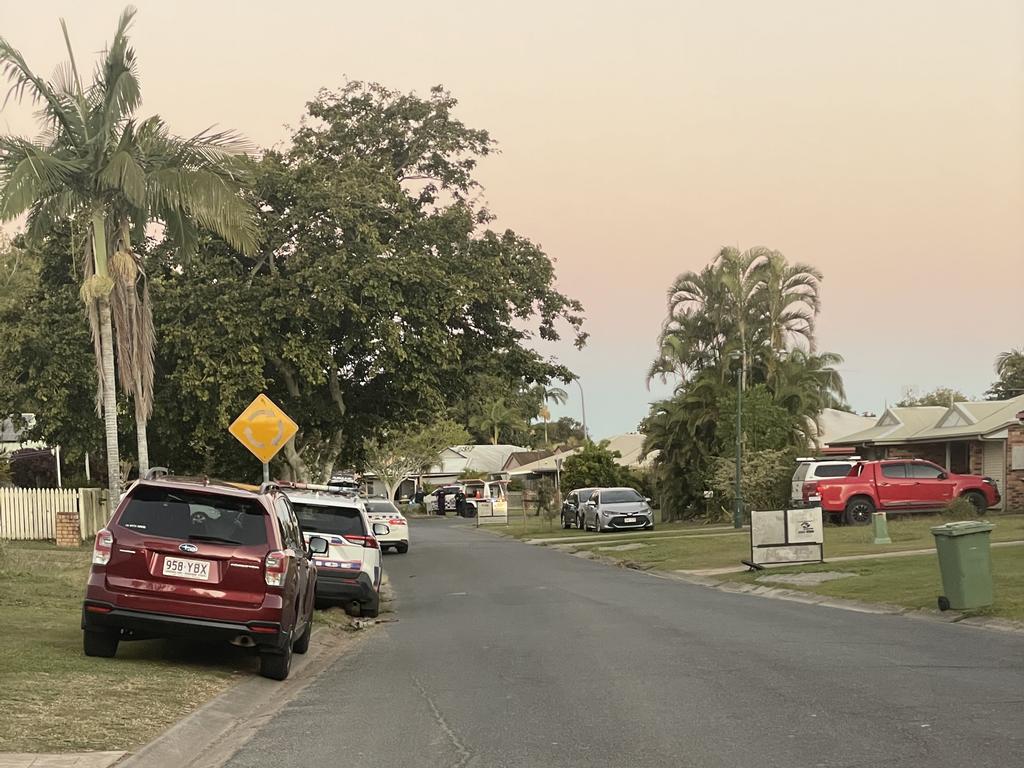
123	174
24	82
29	172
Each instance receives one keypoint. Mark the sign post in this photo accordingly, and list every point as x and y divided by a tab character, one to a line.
786	536
263	428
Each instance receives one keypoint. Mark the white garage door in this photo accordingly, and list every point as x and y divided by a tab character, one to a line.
994	465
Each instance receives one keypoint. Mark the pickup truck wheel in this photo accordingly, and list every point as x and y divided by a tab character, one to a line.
978	500
859	511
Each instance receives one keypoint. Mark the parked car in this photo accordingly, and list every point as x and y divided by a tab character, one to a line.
380	510
449	491
901	485
611	509
196	558
350	572
810	471
572	507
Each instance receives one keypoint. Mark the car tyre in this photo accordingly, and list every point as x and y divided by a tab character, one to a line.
302	644
859	511
978	501
371	609
402	548
99	643
276	664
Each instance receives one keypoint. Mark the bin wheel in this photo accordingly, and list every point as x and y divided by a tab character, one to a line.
943	603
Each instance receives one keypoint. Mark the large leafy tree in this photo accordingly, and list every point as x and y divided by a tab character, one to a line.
944	396
402	452
97	165
380	298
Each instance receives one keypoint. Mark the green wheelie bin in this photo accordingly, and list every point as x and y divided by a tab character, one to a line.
965	561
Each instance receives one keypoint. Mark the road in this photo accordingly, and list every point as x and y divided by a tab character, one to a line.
511	655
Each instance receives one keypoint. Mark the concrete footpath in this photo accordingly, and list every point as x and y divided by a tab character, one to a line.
70	760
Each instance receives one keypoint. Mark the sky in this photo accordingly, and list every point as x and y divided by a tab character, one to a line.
880	142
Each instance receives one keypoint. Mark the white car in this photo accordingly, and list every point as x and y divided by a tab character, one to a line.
810	471
349	574
383	511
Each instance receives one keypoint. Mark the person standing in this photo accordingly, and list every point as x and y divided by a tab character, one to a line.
442	500
460	503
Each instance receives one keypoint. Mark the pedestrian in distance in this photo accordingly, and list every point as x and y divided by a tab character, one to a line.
460	503
442	500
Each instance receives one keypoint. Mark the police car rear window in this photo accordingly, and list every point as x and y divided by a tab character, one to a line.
321	518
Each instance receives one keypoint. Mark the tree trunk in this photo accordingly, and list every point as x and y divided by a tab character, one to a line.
141	423
110	405
546	441
494	439
300	472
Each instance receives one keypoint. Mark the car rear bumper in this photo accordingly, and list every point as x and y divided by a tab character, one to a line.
330	586
140	625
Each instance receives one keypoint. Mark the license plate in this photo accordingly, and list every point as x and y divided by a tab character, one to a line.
187	569
629	520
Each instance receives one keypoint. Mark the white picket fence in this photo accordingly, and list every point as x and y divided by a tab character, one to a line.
31	513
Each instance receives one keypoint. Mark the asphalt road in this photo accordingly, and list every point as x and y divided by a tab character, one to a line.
505	654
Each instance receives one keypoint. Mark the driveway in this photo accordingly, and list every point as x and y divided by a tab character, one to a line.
510	655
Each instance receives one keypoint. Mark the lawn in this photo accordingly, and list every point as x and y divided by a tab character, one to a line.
54	699
911	581
707	552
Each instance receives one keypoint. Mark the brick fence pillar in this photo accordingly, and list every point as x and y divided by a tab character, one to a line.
68	533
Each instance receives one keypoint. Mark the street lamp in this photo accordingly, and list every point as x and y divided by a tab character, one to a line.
737	514
583	406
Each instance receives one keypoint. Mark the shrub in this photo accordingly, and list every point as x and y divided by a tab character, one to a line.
766	479
960	509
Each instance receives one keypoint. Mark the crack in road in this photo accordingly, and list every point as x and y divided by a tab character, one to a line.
464	754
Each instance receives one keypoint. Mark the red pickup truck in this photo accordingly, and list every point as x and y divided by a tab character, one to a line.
900	485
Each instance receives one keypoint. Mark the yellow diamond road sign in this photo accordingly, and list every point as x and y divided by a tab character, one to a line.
263	428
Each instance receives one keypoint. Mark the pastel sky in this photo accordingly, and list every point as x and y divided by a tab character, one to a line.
881	141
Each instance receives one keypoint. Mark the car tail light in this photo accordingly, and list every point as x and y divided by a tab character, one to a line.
274	568
370	542
396	521
810	489
102	548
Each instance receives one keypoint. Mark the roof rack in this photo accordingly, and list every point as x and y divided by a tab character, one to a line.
154	473
269	486
837	457
320	488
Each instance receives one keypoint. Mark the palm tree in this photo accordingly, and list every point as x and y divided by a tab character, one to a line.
97	166
791	301
494	417
805	384
1010	369
555	395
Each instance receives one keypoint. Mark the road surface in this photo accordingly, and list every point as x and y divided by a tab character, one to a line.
511	655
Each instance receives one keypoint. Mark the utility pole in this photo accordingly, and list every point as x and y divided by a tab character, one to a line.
737	515
583	406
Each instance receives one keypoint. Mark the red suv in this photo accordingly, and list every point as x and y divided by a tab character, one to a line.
196	558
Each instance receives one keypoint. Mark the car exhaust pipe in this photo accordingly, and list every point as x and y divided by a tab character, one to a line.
243	641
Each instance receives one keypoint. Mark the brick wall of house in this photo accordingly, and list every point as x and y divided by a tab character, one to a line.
935	452
68	532
977	461
1014	492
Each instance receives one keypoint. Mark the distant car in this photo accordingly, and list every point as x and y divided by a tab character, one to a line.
350	572
572	507
194	558
901	485
383	511
611	509
810	471
449	491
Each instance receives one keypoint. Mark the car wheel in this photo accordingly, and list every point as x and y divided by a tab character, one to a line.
276	664
978	501
99	643
859	511
302	644
402	548
370	610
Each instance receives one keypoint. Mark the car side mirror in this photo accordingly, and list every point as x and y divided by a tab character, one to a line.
943	476
647	499
380	529
318	545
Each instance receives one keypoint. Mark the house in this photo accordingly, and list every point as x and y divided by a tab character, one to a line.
834	424
522	458
451	464
983	438
629	446
12	438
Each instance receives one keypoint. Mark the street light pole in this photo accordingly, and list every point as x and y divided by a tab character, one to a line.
737	514
583	407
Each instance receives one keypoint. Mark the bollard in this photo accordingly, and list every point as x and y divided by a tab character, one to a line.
881	529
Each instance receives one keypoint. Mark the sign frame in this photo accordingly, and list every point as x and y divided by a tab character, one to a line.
802	538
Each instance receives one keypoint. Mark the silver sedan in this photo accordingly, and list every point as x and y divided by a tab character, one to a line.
617	509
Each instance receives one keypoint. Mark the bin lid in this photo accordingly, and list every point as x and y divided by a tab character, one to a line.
962	528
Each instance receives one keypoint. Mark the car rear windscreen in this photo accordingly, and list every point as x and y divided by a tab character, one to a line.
620	497
320	518
177	514
382	507
832	470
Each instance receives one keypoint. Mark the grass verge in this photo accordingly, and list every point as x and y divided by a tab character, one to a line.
913	582
54	699
698	553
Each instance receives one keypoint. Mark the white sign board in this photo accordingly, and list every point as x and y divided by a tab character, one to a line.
786	536
492	512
